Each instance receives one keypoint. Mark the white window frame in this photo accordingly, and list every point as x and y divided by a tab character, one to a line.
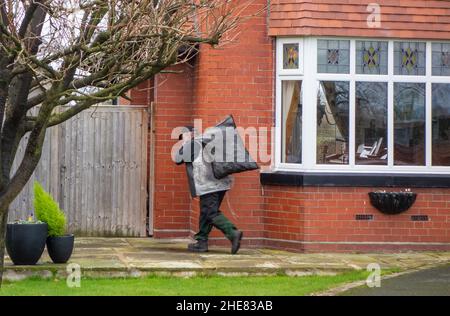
310	82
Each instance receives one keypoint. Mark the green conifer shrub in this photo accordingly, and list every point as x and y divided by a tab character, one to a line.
48	211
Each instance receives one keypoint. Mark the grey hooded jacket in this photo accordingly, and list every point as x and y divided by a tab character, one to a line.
199	169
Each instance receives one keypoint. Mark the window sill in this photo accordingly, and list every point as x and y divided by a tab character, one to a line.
285	178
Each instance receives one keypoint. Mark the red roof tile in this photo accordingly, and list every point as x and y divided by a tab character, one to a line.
418	19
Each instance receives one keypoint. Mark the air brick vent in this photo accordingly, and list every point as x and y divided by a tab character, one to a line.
364	217
420	218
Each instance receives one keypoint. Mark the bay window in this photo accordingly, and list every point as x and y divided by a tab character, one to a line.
362	105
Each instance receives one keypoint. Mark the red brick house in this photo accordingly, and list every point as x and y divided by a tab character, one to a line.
359	102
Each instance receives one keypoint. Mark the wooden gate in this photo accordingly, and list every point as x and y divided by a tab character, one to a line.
95	166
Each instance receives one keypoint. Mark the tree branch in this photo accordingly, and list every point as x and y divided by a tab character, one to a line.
31	157
27	19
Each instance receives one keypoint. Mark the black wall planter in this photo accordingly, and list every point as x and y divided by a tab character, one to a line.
25	242
392	203
60	248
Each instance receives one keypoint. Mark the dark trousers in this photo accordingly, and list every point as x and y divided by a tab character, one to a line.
211	216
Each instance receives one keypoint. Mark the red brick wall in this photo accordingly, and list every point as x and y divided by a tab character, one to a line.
173	108
141	95
233	79
323	218
238	79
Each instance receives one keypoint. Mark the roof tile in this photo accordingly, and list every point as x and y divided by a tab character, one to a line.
399	18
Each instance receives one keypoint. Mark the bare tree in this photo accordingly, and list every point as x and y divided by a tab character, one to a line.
77	53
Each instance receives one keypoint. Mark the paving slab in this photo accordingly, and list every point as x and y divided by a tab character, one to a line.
122	257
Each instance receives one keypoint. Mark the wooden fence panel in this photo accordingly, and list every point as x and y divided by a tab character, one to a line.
95	166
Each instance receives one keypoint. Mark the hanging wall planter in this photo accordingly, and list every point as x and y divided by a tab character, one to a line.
392	203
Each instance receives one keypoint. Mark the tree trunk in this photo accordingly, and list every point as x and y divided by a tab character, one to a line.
3	222
13	187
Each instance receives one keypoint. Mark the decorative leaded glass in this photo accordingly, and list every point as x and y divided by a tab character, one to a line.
441	59
445	58
333	56
409	58
371	57
290	56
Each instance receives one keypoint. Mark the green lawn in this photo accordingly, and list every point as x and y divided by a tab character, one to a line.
154	285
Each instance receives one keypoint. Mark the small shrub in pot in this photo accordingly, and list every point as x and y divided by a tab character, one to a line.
59	244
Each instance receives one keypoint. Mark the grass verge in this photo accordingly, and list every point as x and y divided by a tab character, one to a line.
194	286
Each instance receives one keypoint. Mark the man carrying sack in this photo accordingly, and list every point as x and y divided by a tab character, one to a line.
210	181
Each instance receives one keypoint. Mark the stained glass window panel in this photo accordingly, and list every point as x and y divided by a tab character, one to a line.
441	59
333	56
409	58
371	57
291	56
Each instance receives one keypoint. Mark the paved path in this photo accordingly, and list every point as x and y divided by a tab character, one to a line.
428	282
138	256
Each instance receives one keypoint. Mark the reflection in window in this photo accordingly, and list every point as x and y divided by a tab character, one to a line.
441	124
333	56
292	121
409	58
333	122
409	124
371	123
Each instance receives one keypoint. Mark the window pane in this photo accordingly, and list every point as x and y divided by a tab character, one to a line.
441	124
290	56
441	59
371	58
371	123
292	121
409	124
332	122
409	58
333	56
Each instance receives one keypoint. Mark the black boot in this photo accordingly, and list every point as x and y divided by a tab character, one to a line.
236	241
199	246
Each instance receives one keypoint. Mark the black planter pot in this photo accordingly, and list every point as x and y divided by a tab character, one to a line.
60	248
392	203
25	243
